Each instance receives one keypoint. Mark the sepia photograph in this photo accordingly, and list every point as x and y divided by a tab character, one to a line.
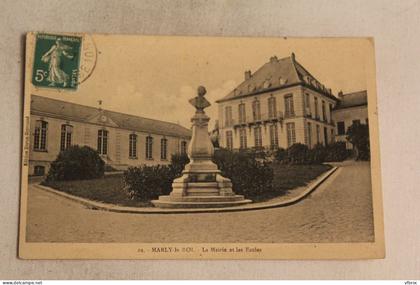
152	147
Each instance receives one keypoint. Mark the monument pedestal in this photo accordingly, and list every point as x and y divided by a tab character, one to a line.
201	184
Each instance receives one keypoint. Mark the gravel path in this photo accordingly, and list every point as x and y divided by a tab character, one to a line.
340	210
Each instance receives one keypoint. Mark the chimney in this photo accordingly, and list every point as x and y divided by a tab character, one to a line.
247	74
293	56
340	94
273	59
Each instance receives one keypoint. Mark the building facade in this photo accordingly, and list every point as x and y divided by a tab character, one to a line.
351	108
122	140
278	105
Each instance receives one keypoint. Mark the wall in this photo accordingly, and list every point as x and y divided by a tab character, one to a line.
347	116
86	134
300	111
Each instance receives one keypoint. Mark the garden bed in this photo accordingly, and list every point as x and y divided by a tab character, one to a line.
110	188
289	177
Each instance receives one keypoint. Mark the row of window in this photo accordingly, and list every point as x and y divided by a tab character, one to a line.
40	141
274	140
274	137
323	109
289	109
256	110
341	126
318	134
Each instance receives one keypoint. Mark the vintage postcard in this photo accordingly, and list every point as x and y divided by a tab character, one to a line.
164	147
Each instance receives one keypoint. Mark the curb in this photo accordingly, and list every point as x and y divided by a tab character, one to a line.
134	210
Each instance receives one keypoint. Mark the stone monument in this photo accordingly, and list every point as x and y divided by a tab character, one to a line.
201	184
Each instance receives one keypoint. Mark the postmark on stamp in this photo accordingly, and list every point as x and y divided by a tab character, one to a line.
56	61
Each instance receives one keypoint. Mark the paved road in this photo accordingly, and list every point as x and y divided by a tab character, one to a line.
340	210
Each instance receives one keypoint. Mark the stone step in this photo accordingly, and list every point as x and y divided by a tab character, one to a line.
203	191
203	198
168	203
202	184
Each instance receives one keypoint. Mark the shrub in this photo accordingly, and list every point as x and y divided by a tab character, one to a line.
358	136
148	182
336	152
317	154
178	162
76	163
280	155
297	154
250	176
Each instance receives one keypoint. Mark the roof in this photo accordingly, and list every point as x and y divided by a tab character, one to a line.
76	112
353	99
277	74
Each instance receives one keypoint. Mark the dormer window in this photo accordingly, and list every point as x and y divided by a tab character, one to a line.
282	81
266	84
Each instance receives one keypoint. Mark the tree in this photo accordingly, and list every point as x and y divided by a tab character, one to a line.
358	136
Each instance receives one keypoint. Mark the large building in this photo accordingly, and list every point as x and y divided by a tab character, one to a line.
276	106
122	140
351	108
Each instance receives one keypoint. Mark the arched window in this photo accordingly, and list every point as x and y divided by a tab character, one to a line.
40	135
132	147
103	142
149	147
66	136
163	148
183	147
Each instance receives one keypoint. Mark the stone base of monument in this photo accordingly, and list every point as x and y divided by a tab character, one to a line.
201	184
201	190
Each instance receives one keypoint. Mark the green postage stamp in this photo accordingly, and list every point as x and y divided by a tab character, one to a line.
56	62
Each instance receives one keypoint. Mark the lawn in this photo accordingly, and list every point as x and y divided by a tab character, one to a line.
288	177
110	188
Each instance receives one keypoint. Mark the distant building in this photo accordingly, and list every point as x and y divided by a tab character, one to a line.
278	105
351	108
122	140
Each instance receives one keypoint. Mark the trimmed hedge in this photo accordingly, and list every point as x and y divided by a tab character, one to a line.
337	152
76	163
300	154
148	182
250	176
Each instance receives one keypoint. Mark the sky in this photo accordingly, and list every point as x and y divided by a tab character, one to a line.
154	77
